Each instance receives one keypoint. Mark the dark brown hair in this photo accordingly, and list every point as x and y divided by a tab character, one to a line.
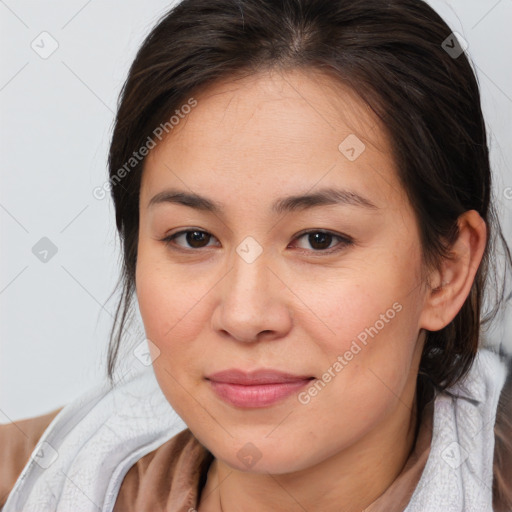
394	55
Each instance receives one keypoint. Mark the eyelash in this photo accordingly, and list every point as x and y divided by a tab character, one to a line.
344	242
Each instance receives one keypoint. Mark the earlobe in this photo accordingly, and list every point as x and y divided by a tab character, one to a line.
452	283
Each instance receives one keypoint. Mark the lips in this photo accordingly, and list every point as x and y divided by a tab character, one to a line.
260	388
256	377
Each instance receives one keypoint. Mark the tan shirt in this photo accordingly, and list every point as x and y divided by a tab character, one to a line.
171	477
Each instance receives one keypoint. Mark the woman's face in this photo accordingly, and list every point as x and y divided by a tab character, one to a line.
246	289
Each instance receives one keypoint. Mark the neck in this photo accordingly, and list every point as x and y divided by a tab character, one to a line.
354	477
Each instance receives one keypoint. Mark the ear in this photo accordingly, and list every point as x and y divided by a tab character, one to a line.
452	282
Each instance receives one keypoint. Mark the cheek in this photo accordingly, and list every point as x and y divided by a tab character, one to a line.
366	365
372	349
163	302
369	329
379	301
171	322
174	311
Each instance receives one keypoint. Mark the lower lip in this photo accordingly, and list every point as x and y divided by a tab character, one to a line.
261	395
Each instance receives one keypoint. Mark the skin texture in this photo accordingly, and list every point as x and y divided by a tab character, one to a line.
206	309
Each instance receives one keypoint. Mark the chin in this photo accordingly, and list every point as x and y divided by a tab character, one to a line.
259	457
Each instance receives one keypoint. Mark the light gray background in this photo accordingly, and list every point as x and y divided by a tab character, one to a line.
56	117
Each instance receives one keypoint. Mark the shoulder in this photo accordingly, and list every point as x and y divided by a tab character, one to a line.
502	465
17	441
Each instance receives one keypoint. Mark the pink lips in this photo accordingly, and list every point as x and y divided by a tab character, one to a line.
259	388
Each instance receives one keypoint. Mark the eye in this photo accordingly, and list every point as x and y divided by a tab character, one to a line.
321	241
196	238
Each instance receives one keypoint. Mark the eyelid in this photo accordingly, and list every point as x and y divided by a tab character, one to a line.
168	239
344	240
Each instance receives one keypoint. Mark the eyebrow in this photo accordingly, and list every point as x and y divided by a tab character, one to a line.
325	196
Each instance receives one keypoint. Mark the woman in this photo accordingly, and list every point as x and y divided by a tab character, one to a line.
350	375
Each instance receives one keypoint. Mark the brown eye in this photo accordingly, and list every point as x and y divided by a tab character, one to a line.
197	238
321	241
194	239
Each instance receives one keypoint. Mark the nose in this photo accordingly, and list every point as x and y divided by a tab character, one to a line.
253	302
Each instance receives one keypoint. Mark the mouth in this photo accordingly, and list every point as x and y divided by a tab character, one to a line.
260	388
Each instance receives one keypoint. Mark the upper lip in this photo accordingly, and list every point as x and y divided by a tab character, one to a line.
263	376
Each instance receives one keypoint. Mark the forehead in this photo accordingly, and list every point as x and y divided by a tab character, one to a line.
282	129
292	105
